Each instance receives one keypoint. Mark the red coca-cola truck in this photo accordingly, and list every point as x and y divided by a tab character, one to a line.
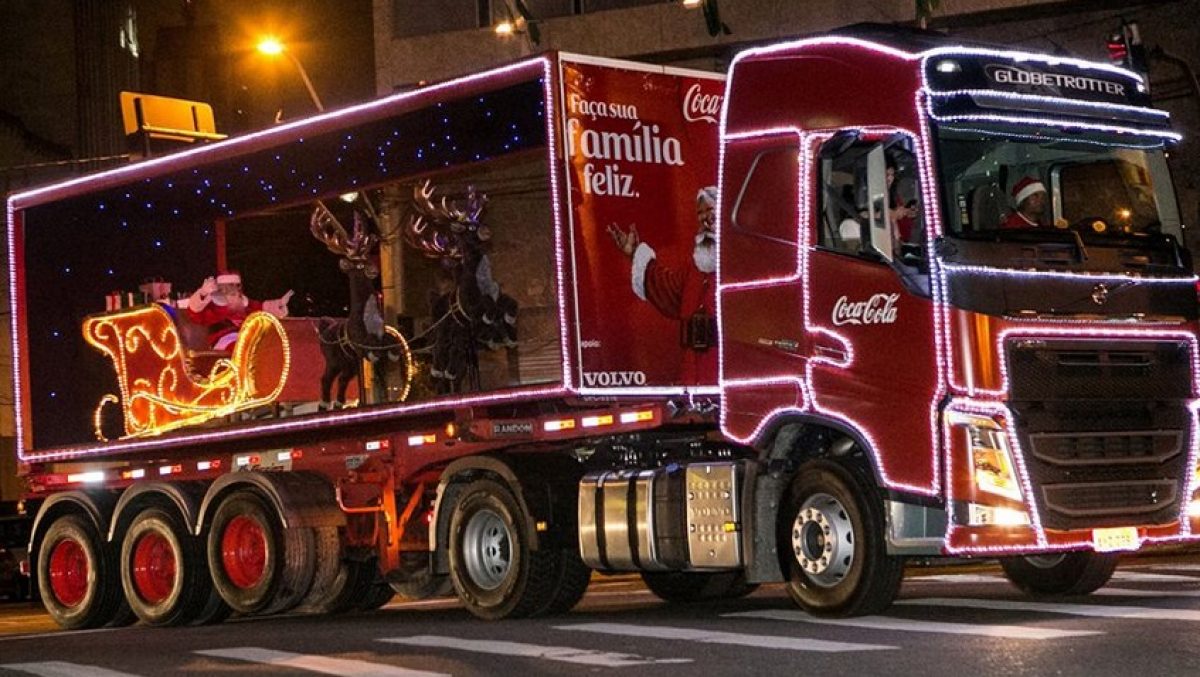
875	295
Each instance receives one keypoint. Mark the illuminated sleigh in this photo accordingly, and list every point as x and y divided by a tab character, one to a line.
164	386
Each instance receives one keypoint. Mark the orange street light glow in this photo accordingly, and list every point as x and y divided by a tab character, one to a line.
270	46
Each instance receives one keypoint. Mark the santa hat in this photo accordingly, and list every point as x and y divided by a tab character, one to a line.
229	277
1026	187
707	195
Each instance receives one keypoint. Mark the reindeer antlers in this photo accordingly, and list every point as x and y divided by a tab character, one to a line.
427	227
327	229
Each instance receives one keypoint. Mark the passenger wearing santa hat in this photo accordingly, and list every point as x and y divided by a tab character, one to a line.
220	305
1029	195
686	294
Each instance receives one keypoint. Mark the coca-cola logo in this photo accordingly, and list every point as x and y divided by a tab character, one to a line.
879	309
700	106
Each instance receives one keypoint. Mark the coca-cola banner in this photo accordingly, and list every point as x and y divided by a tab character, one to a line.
641	154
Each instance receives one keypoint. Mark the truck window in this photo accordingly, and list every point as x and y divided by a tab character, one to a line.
845	207
766	203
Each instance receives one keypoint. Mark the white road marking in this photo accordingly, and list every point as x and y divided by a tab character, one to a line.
1130	592
564	654
717	637
1124	576
1091	610
63	669
908	625
1145	577
323	664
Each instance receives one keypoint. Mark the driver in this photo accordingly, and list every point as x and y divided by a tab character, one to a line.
1029	195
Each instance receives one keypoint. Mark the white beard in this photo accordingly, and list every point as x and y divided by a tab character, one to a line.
704	255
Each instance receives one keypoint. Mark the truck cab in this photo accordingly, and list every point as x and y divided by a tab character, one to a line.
991	311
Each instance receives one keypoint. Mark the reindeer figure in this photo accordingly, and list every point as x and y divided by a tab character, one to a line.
471	310
345	343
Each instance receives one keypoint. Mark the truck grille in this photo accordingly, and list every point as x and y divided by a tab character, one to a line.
1105	428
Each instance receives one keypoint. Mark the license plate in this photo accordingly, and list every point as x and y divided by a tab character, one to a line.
1116	538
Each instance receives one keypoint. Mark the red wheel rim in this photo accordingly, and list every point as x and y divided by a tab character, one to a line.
153	568
69	572
244	551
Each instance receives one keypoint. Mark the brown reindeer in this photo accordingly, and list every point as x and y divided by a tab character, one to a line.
471	311
345	343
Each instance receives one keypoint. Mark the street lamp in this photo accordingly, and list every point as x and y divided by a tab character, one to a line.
273	47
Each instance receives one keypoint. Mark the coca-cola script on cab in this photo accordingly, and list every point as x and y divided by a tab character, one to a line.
879	309
700	106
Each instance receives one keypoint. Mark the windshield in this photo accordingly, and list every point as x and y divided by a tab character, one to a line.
1041	184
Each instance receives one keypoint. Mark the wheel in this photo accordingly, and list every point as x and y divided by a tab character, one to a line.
832	537
78	576
257	565
423	585
572	579
495	572
688	586
163	571
1067	573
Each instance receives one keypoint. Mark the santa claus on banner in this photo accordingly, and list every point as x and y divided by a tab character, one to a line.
686	294
221	306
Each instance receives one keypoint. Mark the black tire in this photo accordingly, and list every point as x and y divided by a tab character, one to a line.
330	575
572	580
257	565
78	576
162	570
423	585
495	571
831	536
1068	573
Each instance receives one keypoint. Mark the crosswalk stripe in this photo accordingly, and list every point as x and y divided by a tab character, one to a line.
322	664
1091	610
1124	576
63	669
1146	577
717	637
564	654
909	625
1130	592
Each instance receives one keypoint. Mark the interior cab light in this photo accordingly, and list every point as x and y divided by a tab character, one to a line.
561	424
597	421
637	416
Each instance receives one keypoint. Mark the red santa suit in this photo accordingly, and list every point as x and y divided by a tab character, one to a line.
680	295
1022	190
223	321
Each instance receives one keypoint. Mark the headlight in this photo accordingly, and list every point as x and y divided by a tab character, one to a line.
991	461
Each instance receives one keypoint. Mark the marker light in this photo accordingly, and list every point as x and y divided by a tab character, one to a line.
137	474
596	421
94	476
421	440
637	416
562	424
948	66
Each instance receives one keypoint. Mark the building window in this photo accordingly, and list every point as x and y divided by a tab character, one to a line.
411	18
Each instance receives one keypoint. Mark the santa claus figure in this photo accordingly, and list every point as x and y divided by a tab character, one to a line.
686	293
220	305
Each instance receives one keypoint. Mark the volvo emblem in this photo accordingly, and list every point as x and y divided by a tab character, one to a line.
1100	294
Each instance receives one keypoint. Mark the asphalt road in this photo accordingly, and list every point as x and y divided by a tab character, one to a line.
1145	622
